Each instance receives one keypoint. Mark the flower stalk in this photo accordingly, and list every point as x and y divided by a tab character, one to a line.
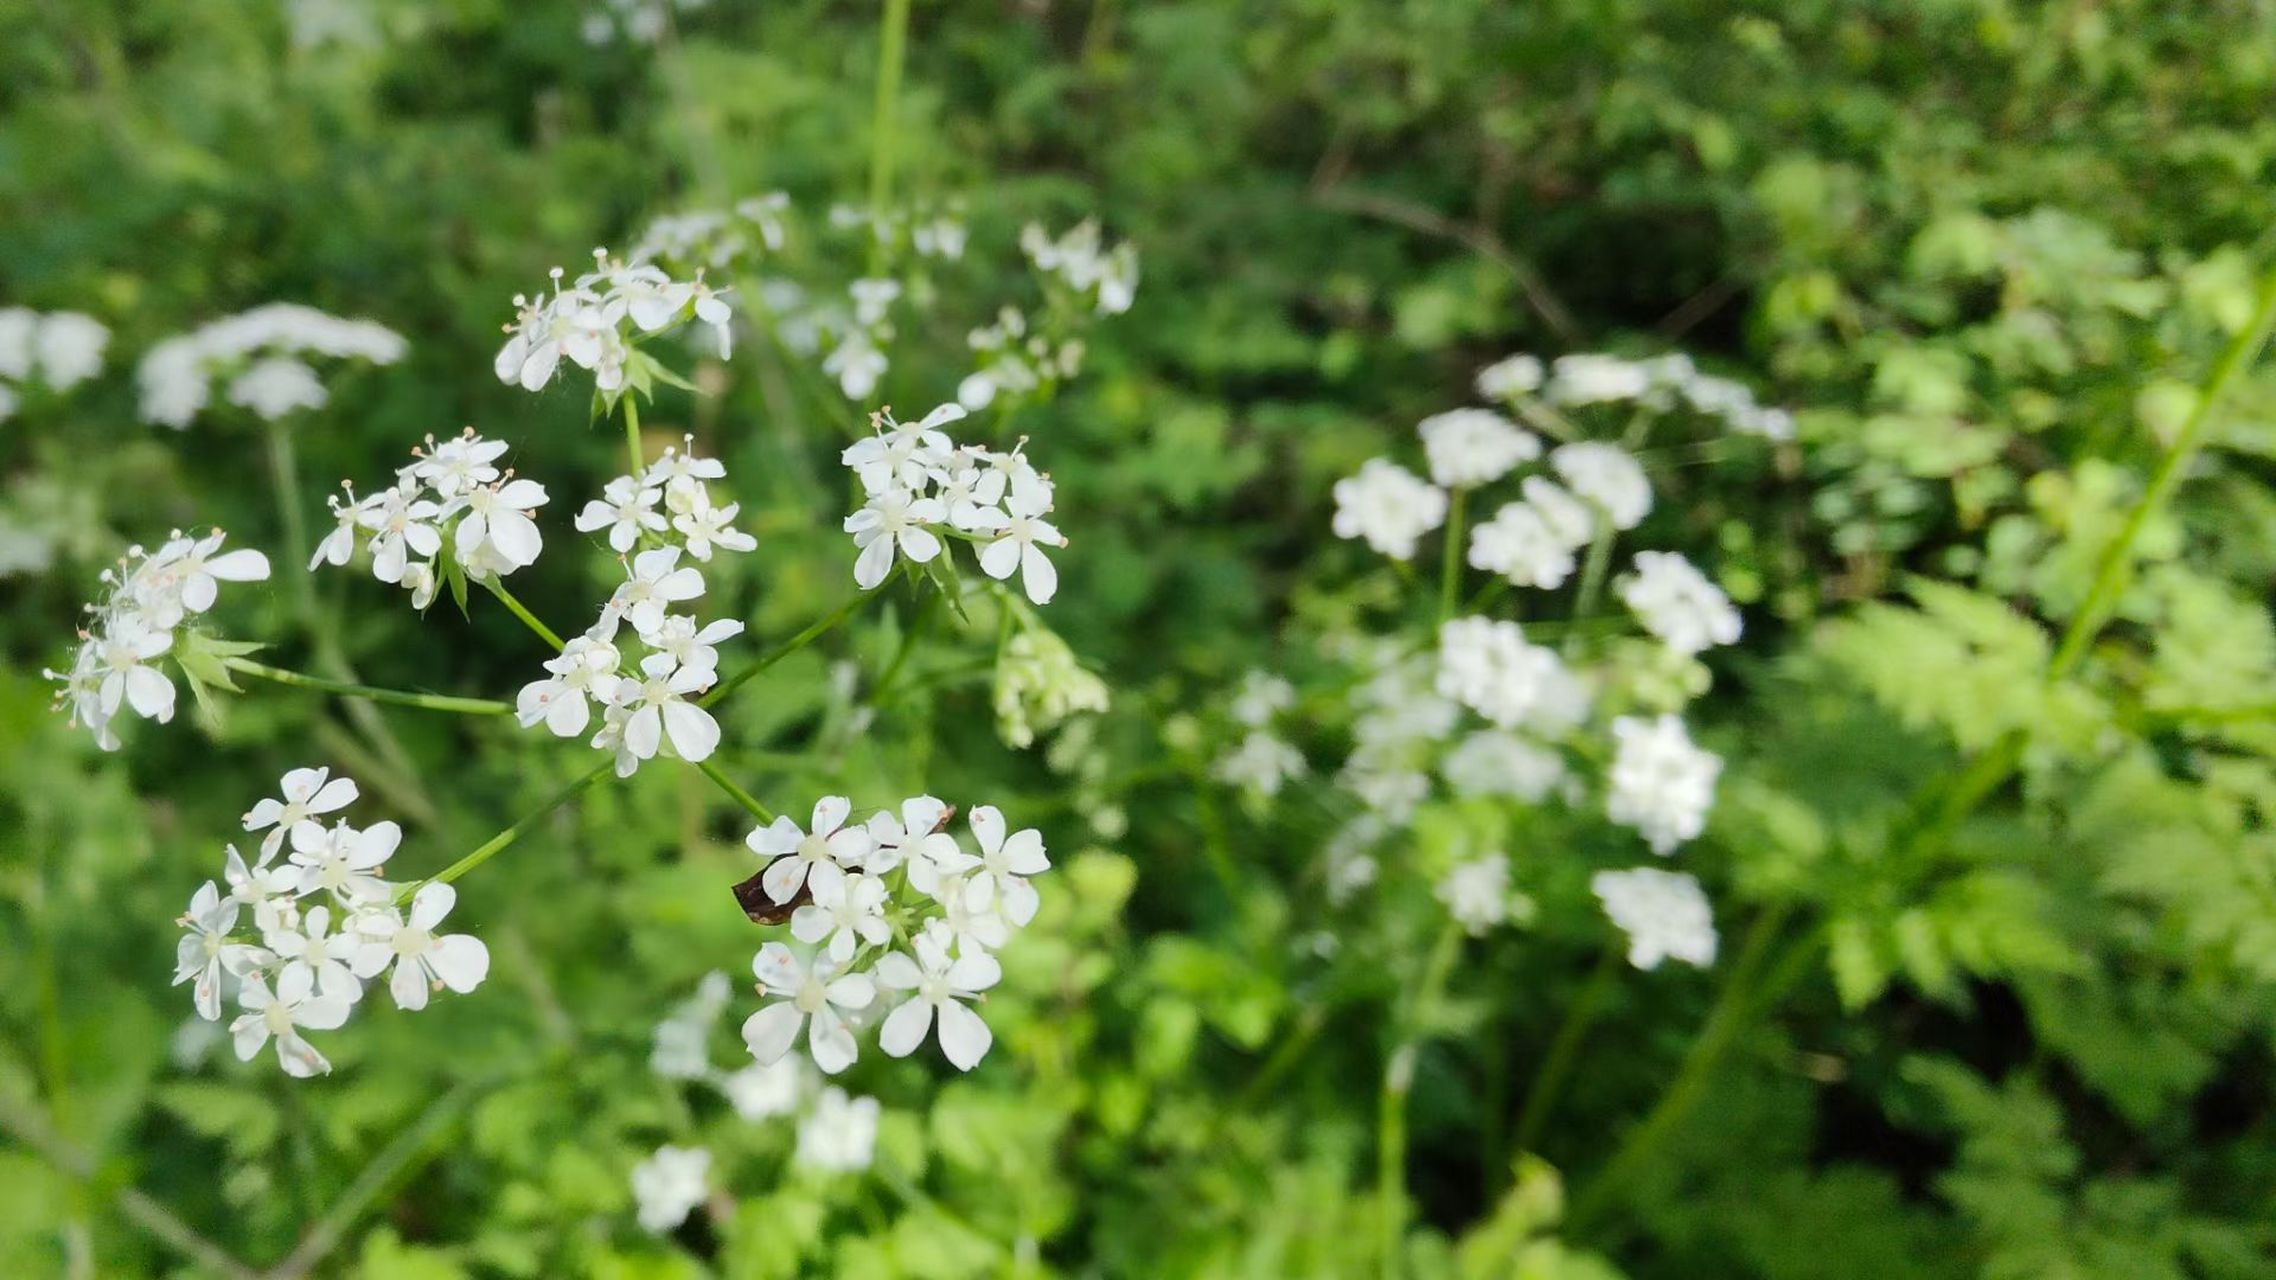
346	689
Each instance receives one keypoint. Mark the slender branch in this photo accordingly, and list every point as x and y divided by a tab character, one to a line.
489	848
788	647
892	46
2117	559
506	598
1593	572
1391	1105
284	478
632	447
154	1218
395	697
325	1234
1450	564
740	796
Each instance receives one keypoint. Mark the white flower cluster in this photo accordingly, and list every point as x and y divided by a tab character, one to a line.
324	923
1080	260
1661	383
922	486
58	350
927	232
894	911
1014	361
450	509
1477	895
153	597
265	354
715	239
1678	604
1262	762
596	320
858	328
668	504
1664	913
1660	783
1487	665
1388	506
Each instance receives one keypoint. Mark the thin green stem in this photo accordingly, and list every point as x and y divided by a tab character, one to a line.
395	697
744	798
1564	1051
284	477
2117	559
892	46
788	647
1593	572
1391	1105
489	849
633	451
1450	564
1734	1007
506	598
901	653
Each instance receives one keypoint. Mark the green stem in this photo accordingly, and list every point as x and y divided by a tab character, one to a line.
892	44
506	598
740	796
632	447
908	646
1391	1105
1734	1007
789	647
397	697
489	848
2117	559
284	477
1593	572
1450	564
1564	1051
408	1145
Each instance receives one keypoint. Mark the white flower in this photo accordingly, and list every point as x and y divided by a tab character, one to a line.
123	654
206	953
655	580
1608	476
342	861
423	961
1476	893
872	299
277	386
1569	518
895	839
968	491
937	987
969	917
1493	763
1262	696
758	1092
890	520
840	1134
1487	665
819	855
857	364
680	1050
1660	783
404	525
1471	447
846	913
1023	535
457	464
307	793
1005	863
1388	506
1511	377
584	672
324	956
812	996
496	536
1678	604
625	508
705	526
678	637
1520	545
1664	914
661	712
70	348
269	891
1261	763
668	1185
282	1014
1587	378
901	455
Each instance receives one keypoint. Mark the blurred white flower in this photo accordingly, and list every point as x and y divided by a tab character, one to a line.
1664	914
1678	604
1608	476
1471	447
1659	783
1389	507
668	1185
839	1135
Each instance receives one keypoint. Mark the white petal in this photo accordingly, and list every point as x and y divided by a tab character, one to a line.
1040	576
830	1041
461	961
408	985
771	1031
964	1037
430	904
243	565
905	1027
1000	558
694	733
830	813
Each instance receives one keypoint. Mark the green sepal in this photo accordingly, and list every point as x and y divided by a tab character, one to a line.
942	570
204	660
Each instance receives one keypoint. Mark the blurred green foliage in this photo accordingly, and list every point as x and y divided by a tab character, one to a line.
1999	916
